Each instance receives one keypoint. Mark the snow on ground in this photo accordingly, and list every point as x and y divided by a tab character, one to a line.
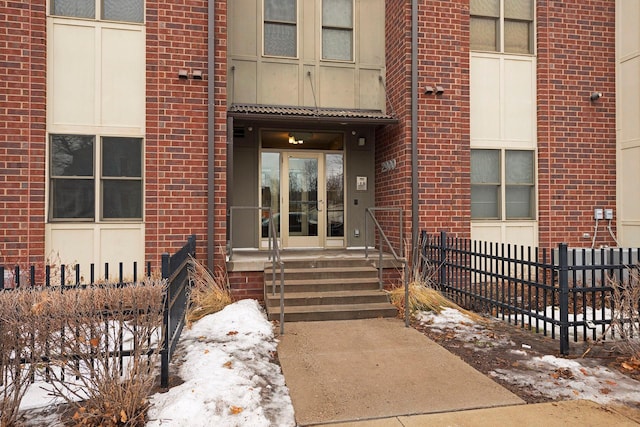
230	378
554	377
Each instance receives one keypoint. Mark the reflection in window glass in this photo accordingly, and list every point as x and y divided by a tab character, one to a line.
335	195
74	8
270	191
123	10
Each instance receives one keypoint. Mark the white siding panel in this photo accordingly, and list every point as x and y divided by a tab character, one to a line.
123	78
70	245
485	99
113	251
519	101
629	100
629	17
629	203
72	65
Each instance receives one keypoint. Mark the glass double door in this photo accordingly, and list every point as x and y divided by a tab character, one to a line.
294	187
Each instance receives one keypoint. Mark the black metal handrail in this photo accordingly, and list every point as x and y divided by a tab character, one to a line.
398	257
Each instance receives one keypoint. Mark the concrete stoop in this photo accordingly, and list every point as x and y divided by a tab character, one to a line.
327	289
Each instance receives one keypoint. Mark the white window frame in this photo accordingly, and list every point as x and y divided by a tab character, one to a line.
503	185
330	27
500	31
295	24
98	179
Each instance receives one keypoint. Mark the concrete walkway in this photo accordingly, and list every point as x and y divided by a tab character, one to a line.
379	371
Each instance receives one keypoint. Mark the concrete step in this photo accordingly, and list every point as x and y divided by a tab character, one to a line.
323	263
324	285
292	299
333	312
324	273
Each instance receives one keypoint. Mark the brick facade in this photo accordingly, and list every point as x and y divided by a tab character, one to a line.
22	131
576	137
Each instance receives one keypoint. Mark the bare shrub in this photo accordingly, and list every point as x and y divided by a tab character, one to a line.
625	322
20	338
108	346
210	293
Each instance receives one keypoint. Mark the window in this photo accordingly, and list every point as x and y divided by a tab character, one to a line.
280	29
502	26
74	183
337	29
502	175
109	10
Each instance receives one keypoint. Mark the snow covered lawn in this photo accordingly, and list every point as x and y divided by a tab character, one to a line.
226	361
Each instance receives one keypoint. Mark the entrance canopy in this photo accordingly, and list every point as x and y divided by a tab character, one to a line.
308	114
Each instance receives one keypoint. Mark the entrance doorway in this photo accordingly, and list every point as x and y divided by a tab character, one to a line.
304	188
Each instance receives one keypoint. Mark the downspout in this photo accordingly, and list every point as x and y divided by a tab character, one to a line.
211	55
414	122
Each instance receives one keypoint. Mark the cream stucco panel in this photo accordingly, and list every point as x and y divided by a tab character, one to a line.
629	30
519	102
123	78
337	87
278	83
72	75
243	37
629	203
371	13
524	233
84	244
243	79
485	99
629	100
371	93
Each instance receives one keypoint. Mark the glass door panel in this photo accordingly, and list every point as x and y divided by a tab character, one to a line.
335	195
270	191
304	219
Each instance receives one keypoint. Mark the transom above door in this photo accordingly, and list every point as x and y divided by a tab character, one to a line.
304	188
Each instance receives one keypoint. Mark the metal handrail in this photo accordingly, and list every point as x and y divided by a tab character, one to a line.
276	260
400	258
273	253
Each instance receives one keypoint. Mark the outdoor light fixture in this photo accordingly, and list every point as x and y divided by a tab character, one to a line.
439	90
595	96
294	141
361	141
183	74
197	74
428	90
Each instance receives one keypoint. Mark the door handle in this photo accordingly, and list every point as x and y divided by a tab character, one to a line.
319	205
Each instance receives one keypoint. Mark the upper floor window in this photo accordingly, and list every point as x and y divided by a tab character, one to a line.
502	26
108	10
337	29
280	28
502	184
82	170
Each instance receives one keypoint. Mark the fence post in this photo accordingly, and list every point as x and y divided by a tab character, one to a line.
1	278
443	258
563	279
164	353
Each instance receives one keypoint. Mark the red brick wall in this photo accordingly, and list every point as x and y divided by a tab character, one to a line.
22	131
177	122
576	138
443	121
247	284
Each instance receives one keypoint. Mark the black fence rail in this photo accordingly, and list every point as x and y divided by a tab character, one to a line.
66	277
563	293
175	270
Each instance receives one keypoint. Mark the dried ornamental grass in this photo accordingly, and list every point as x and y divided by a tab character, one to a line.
210	293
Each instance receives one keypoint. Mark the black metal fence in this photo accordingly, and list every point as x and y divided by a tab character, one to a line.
173	269
564	293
